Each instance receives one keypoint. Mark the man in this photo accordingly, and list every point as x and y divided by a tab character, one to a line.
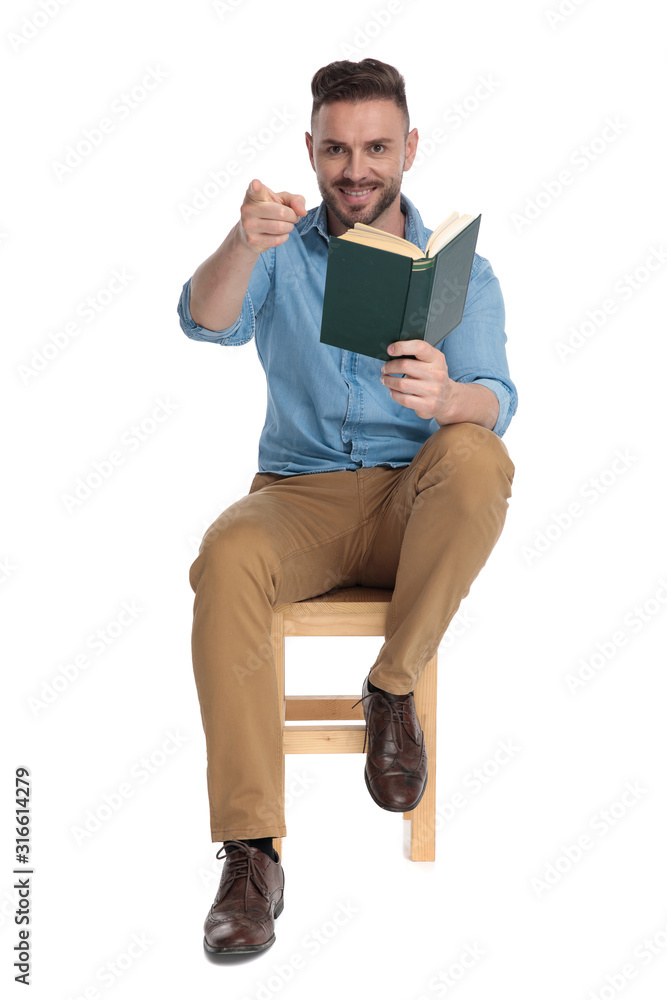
364	478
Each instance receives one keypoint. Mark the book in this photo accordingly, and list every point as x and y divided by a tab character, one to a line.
381	288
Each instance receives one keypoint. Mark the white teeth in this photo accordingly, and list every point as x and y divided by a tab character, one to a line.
358	194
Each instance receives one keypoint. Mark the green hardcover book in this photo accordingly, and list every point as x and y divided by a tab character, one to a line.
381	288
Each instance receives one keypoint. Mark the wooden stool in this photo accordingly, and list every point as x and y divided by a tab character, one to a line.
351	611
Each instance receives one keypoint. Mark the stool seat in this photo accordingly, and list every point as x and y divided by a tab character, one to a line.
350	611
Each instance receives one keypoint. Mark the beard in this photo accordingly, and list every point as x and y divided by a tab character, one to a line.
367	214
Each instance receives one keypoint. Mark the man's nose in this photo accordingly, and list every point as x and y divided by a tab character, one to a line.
356	167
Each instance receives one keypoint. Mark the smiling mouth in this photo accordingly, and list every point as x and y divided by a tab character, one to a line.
356	194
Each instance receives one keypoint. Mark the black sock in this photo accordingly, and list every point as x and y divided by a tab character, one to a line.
371	687
265	844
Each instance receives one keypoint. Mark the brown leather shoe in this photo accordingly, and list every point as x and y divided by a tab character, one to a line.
249	897
396	766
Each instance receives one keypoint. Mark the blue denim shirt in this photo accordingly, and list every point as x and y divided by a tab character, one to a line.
326	408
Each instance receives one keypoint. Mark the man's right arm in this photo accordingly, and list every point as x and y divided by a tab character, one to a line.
219	285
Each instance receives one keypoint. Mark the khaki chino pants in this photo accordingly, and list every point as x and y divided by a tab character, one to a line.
425	529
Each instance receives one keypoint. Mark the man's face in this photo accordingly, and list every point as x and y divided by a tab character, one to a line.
359	152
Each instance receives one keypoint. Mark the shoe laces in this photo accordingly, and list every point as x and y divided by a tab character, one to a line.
392	711
241	863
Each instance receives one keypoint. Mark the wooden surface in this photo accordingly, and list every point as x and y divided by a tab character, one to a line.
336	707
350	611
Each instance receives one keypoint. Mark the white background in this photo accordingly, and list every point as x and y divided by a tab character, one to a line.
548	595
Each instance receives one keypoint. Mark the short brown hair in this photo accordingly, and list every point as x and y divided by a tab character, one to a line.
368	80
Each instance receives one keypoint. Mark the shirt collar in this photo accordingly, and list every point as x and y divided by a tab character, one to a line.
415	230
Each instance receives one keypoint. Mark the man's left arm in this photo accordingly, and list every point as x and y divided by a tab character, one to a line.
468	378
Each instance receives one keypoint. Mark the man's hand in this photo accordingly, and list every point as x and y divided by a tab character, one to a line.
427	388
431	393
268	218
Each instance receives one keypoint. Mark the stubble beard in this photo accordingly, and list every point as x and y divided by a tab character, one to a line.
366	214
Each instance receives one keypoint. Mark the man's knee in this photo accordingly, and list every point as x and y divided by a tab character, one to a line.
469	449
237	540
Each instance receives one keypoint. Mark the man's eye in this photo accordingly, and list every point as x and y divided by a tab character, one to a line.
334	149
377	145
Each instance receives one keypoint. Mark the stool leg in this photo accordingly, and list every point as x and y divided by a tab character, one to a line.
422	818
278	642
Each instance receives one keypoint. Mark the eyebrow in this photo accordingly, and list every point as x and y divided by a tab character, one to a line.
339	142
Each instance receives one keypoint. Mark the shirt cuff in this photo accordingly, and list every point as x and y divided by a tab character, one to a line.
506	403
196	332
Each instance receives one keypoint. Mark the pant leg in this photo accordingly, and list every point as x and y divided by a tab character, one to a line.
291	538
435	532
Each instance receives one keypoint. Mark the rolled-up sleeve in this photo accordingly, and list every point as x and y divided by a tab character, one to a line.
241	331
475	350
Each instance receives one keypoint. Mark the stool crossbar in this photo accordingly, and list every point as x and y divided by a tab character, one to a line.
336	729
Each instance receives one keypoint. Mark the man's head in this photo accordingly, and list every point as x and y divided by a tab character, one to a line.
360	140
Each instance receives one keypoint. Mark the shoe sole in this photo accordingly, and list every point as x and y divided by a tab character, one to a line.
247	949
395	809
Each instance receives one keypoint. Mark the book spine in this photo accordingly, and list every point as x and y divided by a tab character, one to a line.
415	315
451	279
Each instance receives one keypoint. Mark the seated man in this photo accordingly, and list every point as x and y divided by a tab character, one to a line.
364	478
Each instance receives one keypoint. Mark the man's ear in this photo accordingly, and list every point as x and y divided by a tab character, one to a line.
309	144
411	144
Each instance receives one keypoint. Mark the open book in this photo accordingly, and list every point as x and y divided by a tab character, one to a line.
381	288
445	233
